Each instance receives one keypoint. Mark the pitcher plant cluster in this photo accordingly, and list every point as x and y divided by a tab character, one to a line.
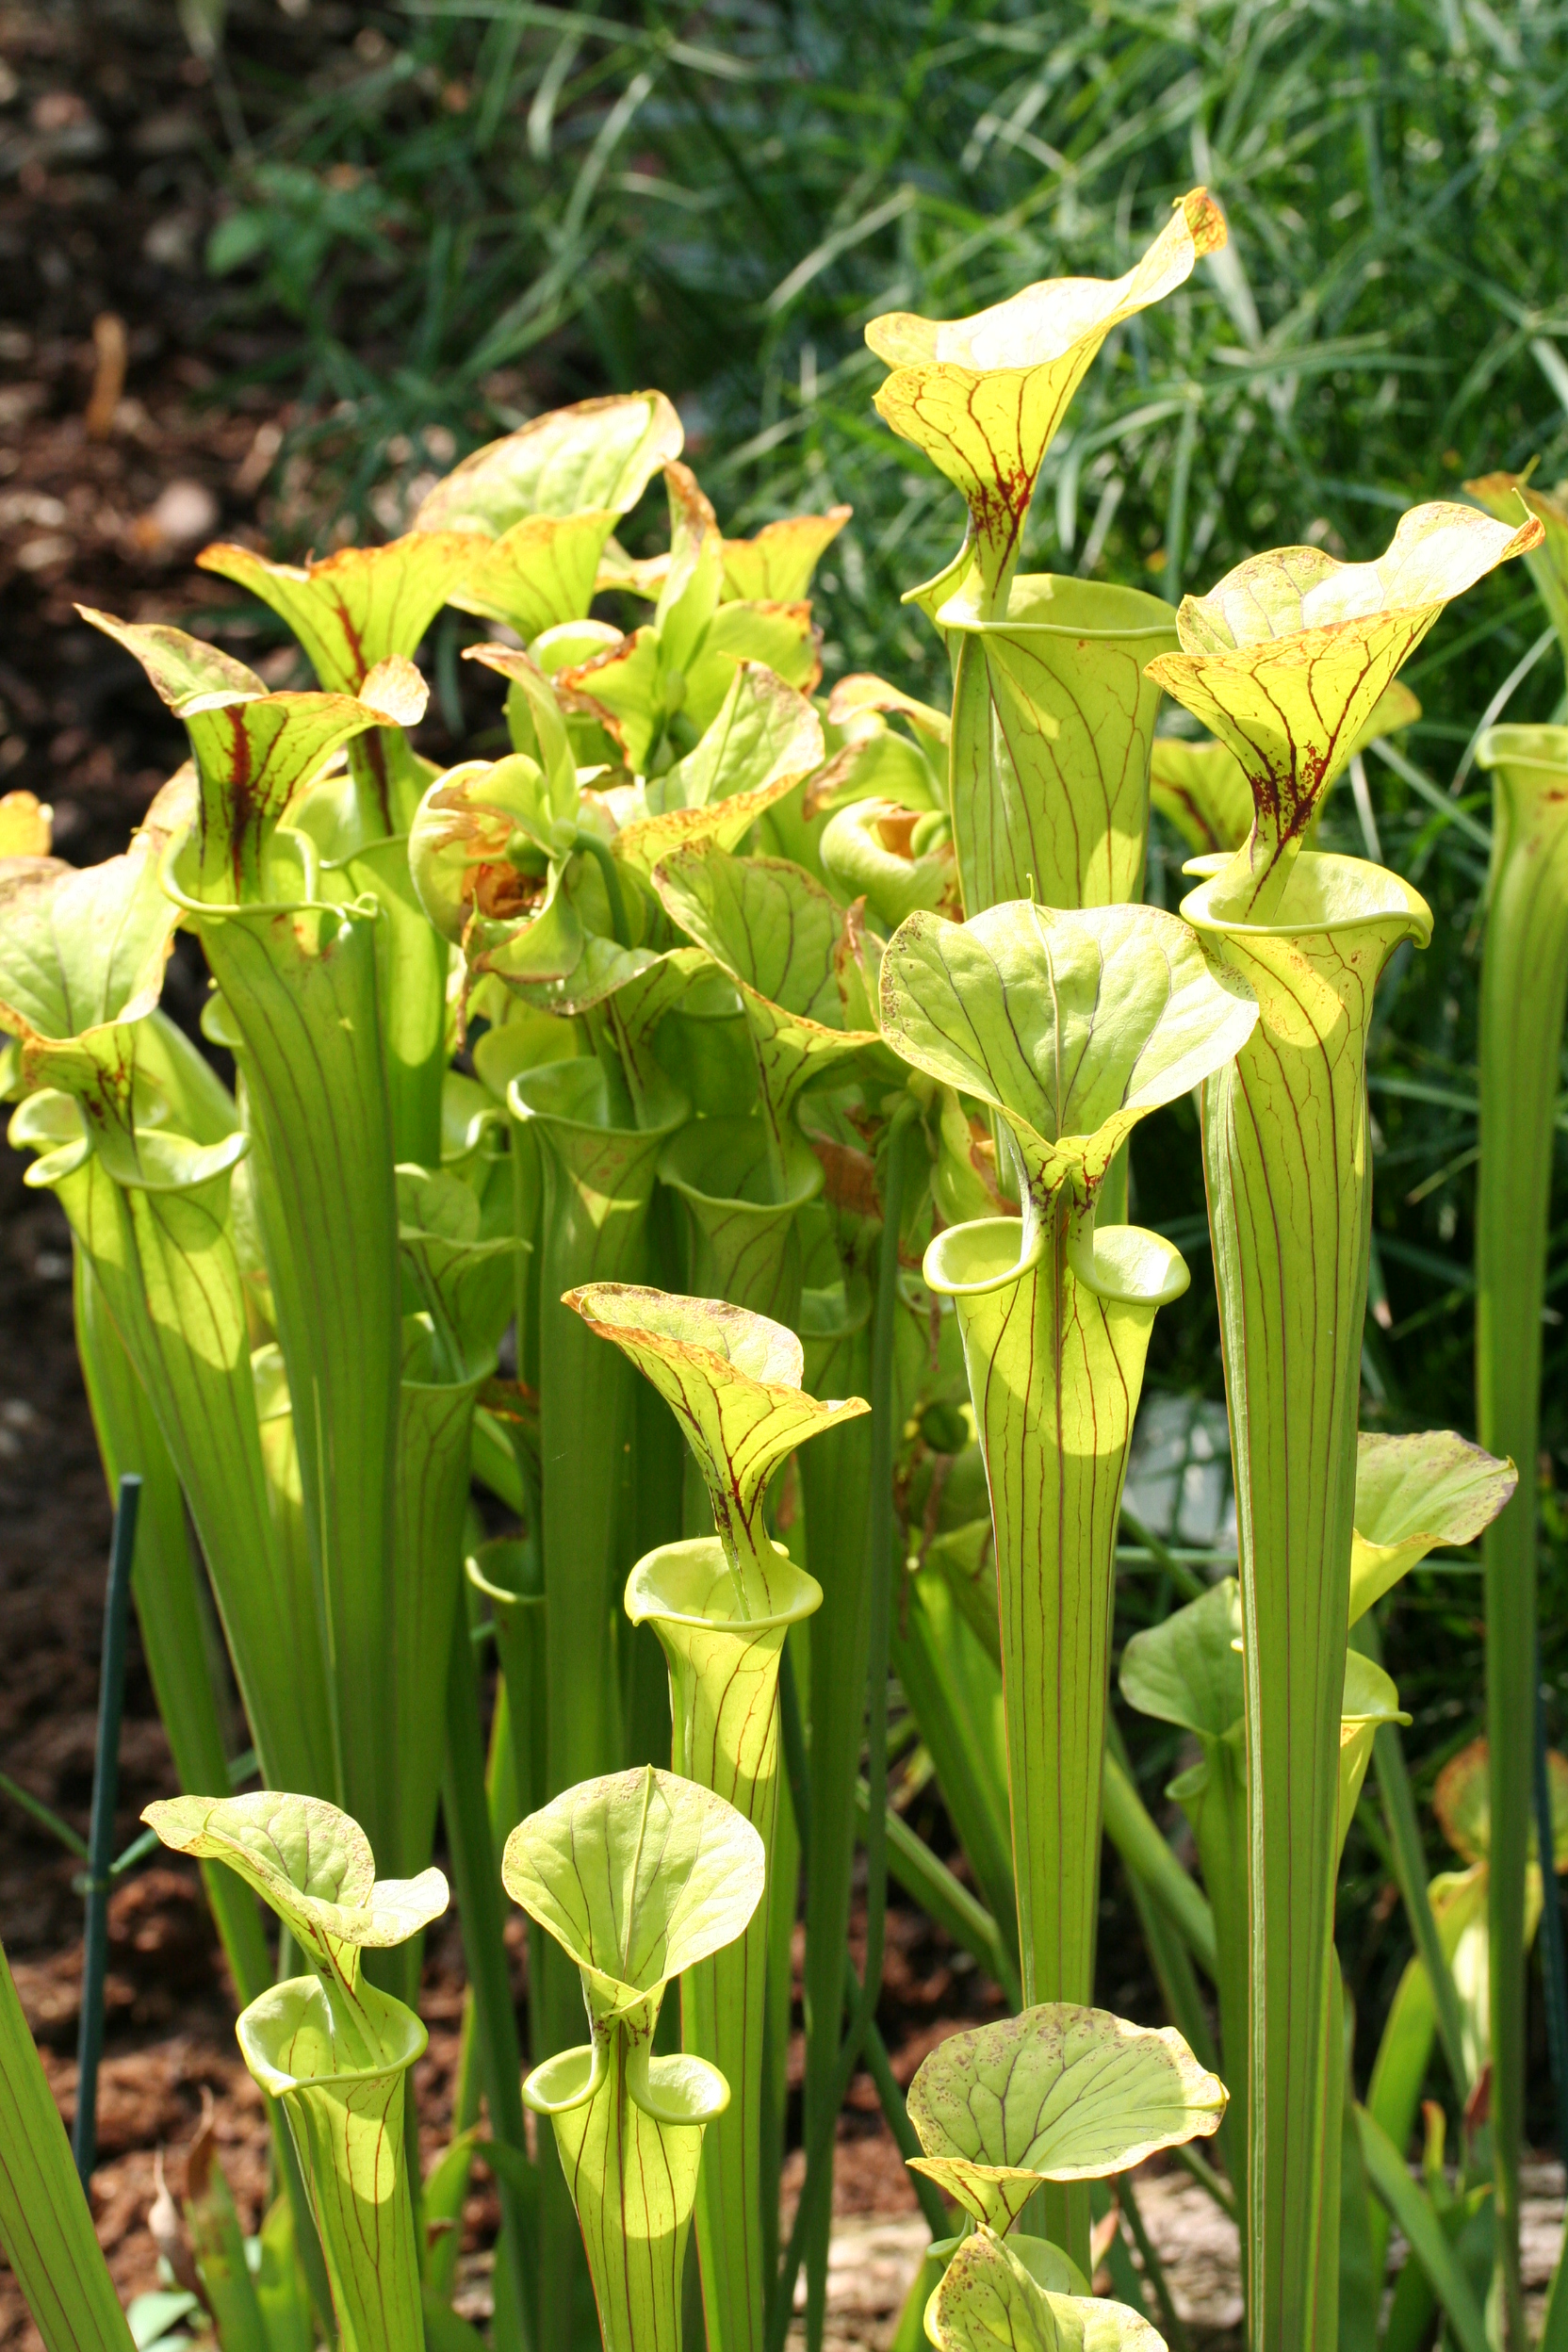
769	1059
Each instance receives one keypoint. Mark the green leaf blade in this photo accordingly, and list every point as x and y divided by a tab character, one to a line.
45	2227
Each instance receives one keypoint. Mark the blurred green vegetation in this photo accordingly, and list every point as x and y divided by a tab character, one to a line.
477	208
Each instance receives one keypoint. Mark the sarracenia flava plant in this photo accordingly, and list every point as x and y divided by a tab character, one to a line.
111	1113
1411	1494
666	1021
722	1605
1070	1027
1523	991
292	933
330	2048
1018	2292
1285	661
1524	986
1059	2093
637	1878
1051	718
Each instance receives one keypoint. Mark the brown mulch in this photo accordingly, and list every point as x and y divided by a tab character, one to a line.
113	466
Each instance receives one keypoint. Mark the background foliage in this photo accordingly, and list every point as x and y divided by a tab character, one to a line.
479	208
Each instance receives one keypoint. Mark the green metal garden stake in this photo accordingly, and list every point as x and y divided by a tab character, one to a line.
105	1796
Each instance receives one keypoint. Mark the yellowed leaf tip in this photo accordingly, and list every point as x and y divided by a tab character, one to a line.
1205	222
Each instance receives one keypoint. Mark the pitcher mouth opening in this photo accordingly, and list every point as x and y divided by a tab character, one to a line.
691	1583
725	1163
1056	605
577	1092
1515	744
1120	1264
1325	893
258	2025
969	1260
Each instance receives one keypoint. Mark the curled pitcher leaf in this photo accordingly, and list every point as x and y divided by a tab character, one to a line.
733	1381
481	841
898	859
1202	786
344	2100
1503	496
253	750
1416	1493
637	1876
989	2301
786	944
312	1864
1286	659
599	453
762	740
984	396
357	608
82	956
1073	1025
1059	2093
331	2048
